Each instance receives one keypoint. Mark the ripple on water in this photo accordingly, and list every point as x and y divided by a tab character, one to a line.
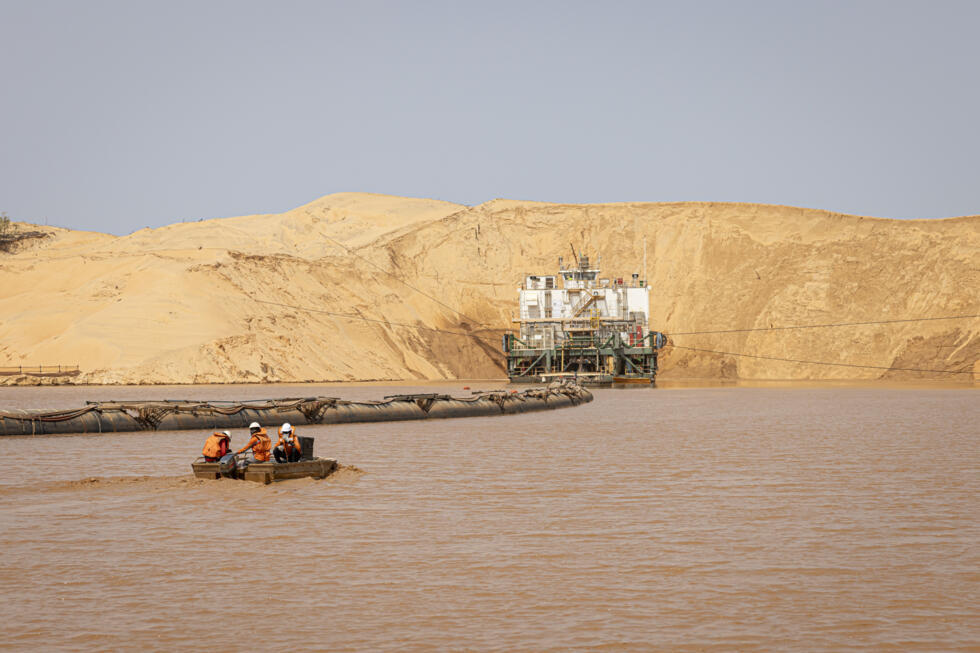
719	519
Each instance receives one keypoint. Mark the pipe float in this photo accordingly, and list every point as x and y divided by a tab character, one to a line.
170	415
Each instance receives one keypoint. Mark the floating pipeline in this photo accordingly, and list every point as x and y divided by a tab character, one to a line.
117	417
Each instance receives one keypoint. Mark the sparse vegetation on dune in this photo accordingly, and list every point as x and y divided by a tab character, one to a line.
11	236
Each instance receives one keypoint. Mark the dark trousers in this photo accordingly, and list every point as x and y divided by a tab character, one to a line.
281	456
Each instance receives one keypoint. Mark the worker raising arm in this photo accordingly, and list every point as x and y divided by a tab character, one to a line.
260	444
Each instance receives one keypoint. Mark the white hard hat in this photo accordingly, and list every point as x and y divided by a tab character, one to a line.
254	425
287	427
226	433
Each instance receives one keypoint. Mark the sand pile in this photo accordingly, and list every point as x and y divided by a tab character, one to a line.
261	298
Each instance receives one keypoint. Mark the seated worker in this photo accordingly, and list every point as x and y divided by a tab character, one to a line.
287	449
216	446
259	443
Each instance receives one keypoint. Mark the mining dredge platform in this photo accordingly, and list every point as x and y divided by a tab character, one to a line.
592	330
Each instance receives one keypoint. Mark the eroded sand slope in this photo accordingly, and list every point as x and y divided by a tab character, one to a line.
260	298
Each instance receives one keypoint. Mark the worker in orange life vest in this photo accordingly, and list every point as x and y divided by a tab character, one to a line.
259	443
216	446
287	449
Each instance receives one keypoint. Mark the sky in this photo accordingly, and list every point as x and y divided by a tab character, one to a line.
116	116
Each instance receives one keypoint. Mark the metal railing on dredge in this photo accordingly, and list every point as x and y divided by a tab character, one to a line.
511	343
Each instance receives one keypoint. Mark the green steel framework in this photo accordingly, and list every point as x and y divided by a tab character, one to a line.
598	359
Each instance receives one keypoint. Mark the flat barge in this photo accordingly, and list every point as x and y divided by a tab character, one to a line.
267	472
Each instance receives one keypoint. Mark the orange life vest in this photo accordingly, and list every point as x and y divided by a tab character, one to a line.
212	448
288	445
262	446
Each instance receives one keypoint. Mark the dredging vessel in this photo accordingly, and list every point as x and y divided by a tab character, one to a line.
591	330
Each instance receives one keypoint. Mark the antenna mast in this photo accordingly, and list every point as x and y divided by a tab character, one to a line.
644	259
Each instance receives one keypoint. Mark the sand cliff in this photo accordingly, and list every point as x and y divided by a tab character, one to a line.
261	298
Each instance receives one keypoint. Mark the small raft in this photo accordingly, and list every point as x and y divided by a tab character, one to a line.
267	472
308	466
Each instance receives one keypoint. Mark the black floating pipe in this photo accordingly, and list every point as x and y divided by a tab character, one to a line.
118	417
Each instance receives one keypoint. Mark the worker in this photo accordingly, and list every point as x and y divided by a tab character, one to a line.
288	448
216	446
259	443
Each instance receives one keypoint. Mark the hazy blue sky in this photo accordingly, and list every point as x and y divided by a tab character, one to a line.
120	115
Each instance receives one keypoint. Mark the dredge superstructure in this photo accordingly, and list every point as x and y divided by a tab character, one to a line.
595	330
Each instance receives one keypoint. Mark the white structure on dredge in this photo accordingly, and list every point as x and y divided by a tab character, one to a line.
590	328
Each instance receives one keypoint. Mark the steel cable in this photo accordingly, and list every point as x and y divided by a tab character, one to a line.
796	360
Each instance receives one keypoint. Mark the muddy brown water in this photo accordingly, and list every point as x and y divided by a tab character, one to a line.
795	518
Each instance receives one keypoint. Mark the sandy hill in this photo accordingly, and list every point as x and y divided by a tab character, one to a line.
262	298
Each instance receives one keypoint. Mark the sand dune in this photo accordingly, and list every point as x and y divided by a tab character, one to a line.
261	298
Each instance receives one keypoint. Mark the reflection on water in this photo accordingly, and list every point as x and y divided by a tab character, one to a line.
809	518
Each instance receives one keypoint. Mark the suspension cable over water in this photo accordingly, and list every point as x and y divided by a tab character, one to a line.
795	360
361	318
825	326
474	336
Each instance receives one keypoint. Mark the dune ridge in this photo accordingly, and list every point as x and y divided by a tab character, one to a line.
261	298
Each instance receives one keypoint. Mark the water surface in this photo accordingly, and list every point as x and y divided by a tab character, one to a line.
805	519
